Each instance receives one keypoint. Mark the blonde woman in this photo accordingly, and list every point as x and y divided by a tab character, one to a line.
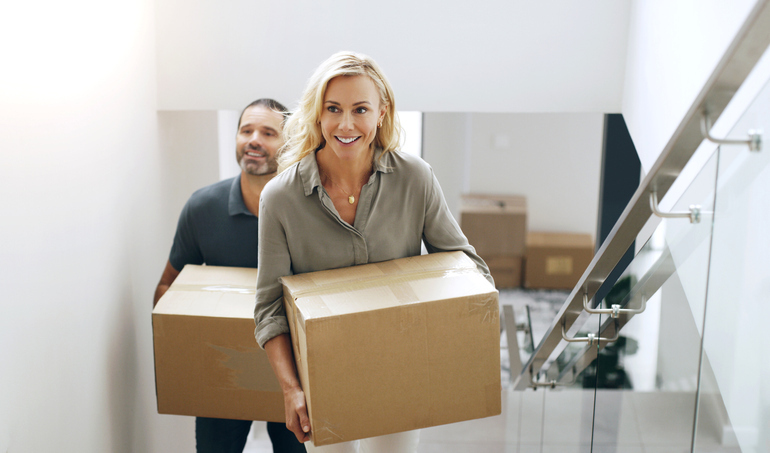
346	196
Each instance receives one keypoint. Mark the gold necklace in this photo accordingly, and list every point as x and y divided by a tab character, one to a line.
351	198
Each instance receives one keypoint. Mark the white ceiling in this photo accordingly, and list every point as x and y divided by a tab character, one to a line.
483	56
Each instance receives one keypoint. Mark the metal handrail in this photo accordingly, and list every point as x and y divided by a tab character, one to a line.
730	73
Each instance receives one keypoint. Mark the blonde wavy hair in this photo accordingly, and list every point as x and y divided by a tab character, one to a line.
302	131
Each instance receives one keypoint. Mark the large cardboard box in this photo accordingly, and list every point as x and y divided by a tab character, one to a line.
556	260
207	362
395	346
495	225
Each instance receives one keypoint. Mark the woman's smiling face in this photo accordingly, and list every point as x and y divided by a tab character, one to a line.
351	111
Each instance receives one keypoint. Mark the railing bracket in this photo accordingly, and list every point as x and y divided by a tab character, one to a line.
754	141
615	310
694	214
592	338
552	383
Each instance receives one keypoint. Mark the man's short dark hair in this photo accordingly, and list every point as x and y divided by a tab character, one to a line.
271	104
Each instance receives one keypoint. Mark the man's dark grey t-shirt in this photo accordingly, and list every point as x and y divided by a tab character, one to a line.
216	228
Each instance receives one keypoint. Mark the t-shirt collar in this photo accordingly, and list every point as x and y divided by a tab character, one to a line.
311	177
236	204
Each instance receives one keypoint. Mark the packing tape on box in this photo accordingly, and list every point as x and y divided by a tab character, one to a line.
380	280
235	289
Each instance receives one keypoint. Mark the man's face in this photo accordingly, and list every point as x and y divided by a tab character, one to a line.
258	140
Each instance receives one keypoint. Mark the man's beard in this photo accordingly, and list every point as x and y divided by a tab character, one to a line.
257	169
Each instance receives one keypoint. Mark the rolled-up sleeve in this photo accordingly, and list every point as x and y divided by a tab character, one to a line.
441	232
274	262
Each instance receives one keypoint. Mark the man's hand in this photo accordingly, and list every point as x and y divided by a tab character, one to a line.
296	414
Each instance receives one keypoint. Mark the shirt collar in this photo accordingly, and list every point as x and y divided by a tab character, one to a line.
311	177
235	203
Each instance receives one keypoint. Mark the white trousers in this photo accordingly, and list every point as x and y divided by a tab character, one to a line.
405	442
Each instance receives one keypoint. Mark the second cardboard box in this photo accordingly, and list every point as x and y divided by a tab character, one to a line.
395	346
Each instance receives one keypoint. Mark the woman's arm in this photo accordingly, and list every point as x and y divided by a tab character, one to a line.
274	262
279	353
272	329
441	232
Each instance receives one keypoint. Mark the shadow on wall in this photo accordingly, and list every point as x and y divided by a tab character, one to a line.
123	367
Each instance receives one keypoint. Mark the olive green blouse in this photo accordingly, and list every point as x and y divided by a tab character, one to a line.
300	230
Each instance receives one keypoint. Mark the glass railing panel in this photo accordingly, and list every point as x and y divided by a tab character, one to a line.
734	401
646	382
558	420
665	411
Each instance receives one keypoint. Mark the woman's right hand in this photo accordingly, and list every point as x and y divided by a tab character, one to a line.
297	420
281	358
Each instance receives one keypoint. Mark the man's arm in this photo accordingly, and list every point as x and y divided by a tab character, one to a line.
169	275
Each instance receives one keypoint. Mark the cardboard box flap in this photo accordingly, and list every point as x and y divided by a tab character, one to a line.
211	291
391	293
322	281
217	275
383	285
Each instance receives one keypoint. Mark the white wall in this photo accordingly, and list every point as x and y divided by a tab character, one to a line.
189	143
83	235
552	159
492	56
227	127
673	47
444	137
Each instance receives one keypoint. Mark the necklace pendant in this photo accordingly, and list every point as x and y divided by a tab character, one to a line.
351	199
